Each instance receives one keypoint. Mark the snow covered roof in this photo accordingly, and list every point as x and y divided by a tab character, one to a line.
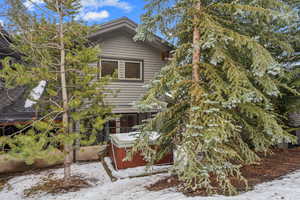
35	94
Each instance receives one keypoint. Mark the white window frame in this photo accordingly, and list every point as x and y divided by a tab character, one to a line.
124	61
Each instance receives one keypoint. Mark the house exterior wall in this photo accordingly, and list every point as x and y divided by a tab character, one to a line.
122	46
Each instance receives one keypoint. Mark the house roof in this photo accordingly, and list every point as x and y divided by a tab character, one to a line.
16	111
12	100
129	26
5	42
12	103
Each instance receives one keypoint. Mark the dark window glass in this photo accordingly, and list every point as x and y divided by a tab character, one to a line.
132	70
127	122
109	68
112	126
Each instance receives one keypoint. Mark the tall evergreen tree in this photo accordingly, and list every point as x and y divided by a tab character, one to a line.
217	93
291	102
55	51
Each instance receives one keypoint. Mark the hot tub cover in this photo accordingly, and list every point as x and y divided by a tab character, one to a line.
122	140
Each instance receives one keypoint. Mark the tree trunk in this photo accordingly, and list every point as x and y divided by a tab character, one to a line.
67	147
197	50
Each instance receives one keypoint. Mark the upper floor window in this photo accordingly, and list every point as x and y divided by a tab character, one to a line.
122	69
133	70
109	67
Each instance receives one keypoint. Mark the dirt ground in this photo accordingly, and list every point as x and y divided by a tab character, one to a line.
56	186
281	162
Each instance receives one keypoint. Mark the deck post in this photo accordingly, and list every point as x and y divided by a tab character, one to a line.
118	125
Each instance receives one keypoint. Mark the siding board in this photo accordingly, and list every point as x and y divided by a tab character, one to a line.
121	45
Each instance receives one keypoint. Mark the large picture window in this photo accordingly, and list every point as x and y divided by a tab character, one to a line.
109	67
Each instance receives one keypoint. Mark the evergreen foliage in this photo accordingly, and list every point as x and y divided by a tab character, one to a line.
291	102
38	39
222	121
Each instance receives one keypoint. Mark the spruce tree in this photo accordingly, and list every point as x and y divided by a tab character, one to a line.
217	94
55	50
291	102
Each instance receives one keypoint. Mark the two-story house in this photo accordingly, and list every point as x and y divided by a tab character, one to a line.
134	63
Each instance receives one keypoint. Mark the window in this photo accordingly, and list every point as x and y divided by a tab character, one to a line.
133	70
112	125
122	69
109	67
127	122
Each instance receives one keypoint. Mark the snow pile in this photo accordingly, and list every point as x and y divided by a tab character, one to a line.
131	172
287	188
35	94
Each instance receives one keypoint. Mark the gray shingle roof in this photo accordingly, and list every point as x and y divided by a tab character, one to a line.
16	111
5	49
10	96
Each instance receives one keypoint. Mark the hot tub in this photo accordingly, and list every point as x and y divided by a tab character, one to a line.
121	143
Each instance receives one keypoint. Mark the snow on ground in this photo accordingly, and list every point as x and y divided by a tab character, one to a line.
123	173
288	188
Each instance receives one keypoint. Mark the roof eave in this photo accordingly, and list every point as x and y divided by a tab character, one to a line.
130	27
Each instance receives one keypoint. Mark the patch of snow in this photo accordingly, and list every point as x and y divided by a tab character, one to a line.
290	65
287	188
169	94
35	94
136	171
16	186
127	139
295	63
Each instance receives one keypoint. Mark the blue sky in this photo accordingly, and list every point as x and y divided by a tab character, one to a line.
100	11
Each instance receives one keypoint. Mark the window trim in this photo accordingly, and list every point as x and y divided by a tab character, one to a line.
133	60
141	70
108	59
